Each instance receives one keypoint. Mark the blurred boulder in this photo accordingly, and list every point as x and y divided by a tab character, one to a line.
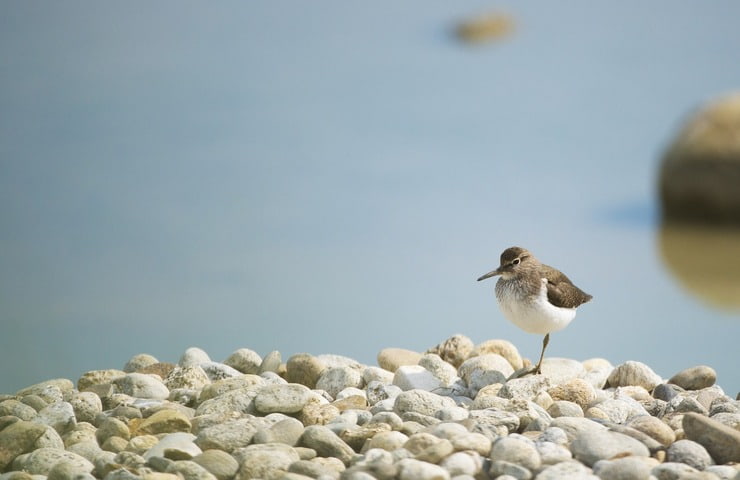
485	28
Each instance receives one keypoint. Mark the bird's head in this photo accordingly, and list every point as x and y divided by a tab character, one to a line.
514	260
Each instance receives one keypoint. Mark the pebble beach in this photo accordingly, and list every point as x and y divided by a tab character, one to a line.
457	411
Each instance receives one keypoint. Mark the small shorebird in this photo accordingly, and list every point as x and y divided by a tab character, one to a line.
535	297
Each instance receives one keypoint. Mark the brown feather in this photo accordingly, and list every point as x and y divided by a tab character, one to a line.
560	290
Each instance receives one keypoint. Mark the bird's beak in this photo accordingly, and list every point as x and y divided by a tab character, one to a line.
490	274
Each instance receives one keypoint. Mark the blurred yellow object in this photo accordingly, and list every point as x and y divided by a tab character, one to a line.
485	28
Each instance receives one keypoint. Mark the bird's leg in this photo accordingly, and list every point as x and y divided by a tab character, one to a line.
537	368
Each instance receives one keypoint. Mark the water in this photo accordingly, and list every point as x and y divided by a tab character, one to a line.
333	180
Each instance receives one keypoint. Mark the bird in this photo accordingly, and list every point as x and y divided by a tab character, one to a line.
535	297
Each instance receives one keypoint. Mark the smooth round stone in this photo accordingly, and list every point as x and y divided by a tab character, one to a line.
616	410
695	378
287	431
654	428
462	463
190	377
220	464
230	435
140	385
445	372
666	391
593	445
518	450
500	347
326	443
452	414
336	379
376	374
724	472
18	438
86	406
304	369
35	402
472	441
576	390
570	470
563	408
409	377
98	377
455	350
60	416
388	440
17	409
41	461
389	418
421	401
552	453
112	427
721	441
51	390
190	470
308	469
244	360
482	370
287	398
561	370
503	469
218	371
164	421
139	361
597	371
673	471
271	362
220	387
193	356
180	441
690	404
392	358
411	469
525	388
494	422
625	468
634	373
690	453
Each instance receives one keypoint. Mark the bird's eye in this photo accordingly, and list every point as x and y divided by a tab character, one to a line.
515	261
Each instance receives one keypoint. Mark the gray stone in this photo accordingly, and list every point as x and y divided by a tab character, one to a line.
421	401
140	385
666	391
112	427
245	360
189	470
220	387
721	441
634	373
672	471
86	406
51	391
462	463
564	408
483	370
387	440
616	410
504	469
695	378
574	426
552	453
377	392
627	468
218	371
724	472
264	460
655	428
495	422
271	362
570	470
17	409
335	379
17	439
121	474
180	441
592	446
311	469
561	370
220	464
445	372
287	431
326	443
411	469
60	416
690	453
239	400
139	361
410	377
304	369
41	461
525	388
501	347
229	435
193	356
392	358
35	402
50	439
516	449
455	350
376	374
68	471
287	398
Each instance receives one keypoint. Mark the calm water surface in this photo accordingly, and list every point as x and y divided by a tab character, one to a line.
333	180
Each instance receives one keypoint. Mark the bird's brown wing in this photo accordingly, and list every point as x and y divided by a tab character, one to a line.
560	290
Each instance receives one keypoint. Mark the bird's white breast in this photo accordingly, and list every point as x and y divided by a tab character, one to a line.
532	313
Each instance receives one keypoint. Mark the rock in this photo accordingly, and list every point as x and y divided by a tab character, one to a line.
326	443
98	377
455	350
139	361
576	390
500	347
304	369
672	471
695	378
594	445
518	450
218	371
563	408
411	469
336	379
561	370
17	439
164	421
483	370
462	463
377	391
60	416
245	360
239	400
721	441
573	426
445	372
571	470
597	371
190	377
140	385
625	468
699	170
220	464
392	358
229	435
17	409
633	373
287	398
690	453
174	442
552	453
387	440
41	461
503	469
193	356
219	387
315	413
86	406
420	401
494	423
67	471
654	428
271	362
140	444
189	470
409	377
160	369
376	374
51	391
35	402
111	427
525	388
